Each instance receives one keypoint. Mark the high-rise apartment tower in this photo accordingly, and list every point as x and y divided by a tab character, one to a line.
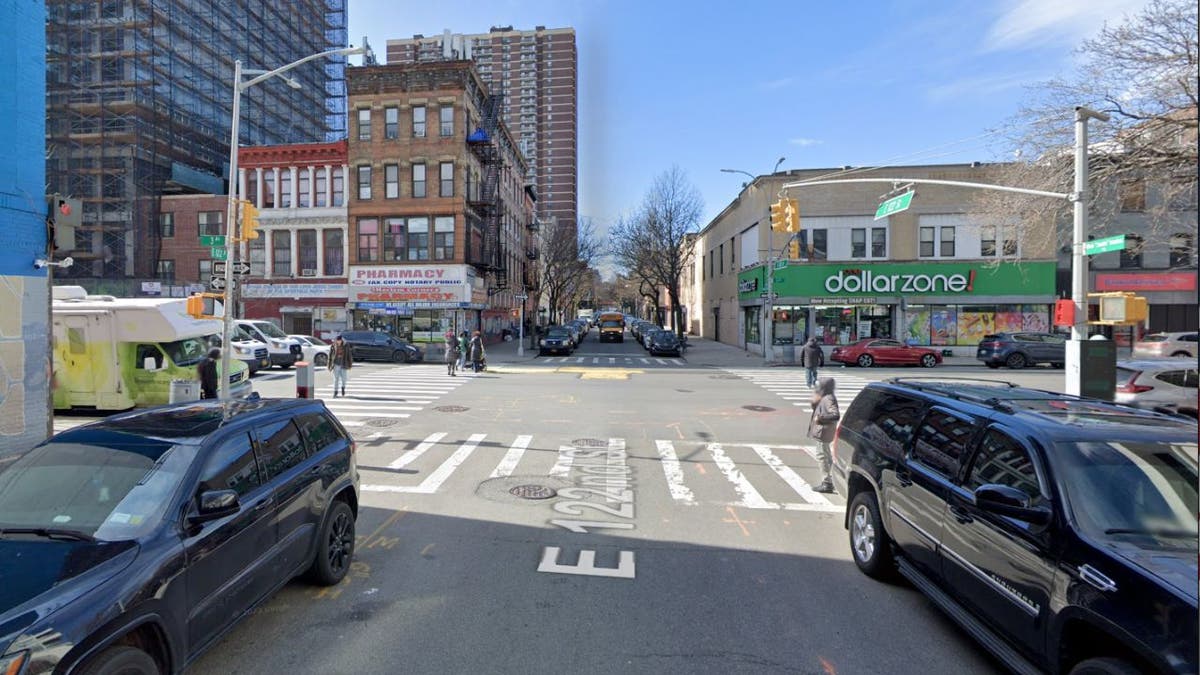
537	72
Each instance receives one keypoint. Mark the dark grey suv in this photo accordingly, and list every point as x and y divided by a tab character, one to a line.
1017	350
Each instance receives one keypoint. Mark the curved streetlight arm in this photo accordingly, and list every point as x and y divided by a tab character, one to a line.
744	173
347	51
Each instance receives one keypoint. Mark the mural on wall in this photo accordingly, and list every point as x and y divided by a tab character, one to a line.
943	327
972	326
916	326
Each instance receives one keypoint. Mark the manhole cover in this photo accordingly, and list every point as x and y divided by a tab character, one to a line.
590	443
451	408
533	492
724	377
759	408
379	422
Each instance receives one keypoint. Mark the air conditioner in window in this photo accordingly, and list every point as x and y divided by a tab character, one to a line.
308	273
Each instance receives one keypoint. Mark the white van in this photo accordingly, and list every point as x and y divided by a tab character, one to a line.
284	350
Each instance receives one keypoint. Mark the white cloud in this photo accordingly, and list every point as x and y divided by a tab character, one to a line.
984	85
805	142
1031	23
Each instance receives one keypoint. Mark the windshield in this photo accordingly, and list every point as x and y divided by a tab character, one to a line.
186	352
269	329
1132	489
118	488
557	332
610	324
315	341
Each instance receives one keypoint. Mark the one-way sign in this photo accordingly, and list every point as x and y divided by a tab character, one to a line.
216	283
240	268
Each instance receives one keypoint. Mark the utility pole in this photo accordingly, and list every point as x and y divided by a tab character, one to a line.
1079	261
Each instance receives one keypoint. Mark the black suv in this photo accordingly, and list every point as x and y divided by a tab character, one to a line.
1017	350
1060	532
369	345
131	544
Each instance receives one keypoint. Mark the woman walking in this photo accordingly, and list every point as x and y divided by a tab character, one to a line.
452	354
476	352
464	344
821	427
340	361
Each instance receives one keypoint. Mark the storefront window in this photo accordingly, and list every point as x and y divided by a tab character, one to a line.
788	326
835	325
750	325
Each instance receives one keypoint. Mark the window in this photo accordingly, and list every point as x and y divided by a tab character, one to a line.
144	352
926	241
166	270
1131	255
731	255
334	260
418	113
318	432
1133	195
280	448
418	180
947	242
258	257
210	222
447	174
364	124
231	466
443	238
339	187
858	242
394	245
204	269
368	240
941	440
322	181
887	419
446	114
418	239
1181	249
285	189
391	181
1182	194
268	188
252	186
721	258
303	188
1187	378
878	242
391	123
166	225
306	241
818	249
1001	460
281	253
364	182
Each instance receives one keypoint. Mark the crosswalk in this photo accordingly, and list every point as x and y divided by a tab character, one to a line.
747	474
789	384
390	394
626	361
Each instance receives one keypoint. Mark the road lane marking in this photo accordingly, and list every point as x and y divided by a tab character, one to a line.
410	456
750	497
674	473
511	458
562	467
789	476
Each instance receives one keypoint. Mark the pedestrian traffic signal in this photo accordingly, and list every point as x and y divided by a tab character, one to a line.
206	305
791	215
1121	309
249	220
778	218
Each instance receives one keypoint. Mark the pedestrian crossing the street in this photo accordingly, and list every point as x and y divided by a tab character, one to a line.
624	361
789	384
392	393
693	473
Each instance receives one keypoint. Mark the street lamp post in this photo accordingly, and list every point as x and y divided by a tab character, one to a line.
232	210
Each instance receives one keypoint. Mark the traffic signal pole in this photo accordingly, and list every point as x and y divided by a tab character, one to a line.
231	234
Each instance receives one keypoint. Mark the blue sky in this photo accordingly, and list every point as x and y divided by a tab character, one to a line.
714	84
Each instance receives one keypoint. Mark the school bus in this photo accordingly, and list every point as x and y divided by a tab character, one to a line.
612	327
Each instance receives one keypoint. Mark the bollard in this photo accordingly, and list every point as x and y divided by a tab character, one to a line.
305	386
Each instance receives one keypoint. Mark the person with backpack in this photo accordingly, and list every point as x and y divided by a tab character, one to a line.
812	357
822	426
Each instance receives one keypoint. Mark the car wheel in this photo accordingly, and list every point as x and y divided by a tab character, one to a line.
398	356
866	360
1016	361
122	660
335	546
285	366
868	540
321	359
1104	666
929	360
1182	354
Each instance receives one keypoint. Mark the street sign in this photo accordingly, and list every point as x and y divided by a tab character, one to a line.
220	253
212	240
521	297
1104	245
240	268
781	264
216	283
894	205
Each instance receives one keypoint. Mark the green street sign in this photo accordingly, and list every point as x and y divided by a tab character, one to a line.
1104	245
894	205
220	253
781	264
212	240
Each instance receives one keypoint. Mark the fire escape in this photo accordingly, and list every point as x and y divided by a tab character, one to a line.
487	203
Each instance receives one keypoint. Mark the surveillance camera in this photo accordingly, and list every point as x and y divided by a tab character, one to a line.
68	261
39	263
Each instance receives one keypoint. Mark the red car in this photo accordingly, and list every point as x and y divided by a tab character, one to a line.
867	353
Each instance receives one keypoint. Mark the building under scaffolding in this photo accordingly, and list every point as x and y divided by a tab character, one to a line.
139	105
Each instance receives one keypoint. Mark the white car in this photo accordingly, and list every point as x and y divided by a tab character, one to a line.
1166	385
316	350
1166	344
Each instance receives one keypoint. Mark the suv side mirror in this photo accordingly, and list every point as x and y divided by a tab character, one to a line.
1009	501
213	504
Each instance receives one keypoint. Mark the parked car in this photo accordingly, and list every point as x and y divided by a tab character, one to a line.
369	345
284	350
246	349
1166	385
885	352
315	350
1166	344
666	343
557	340
1017	350
133	543
1059	532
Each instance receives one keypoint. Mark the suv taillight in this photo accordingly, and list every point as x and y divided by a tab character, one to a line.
990	345
353	446
1132	387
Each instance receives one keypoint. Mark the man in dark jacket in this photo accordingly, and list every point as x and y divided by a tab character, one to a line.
812	357
207	370
822	425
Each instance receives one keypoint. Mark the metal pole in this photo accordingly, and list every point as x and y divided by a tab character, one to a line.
230	230
1079	261
769	320
521	331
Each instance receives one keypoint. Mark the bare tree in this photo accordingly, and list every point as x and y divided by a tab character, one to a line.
1143	73
567	254
654	243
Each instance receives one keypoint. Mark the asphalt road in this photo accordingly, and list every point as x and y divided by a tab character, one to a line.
683	537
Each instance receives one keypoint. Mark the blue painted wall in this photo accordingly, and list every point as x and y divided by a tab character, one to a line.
24	322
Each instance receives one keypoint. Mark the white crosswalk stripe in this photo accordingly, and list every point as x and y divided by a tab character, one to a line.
390	393
749	475
614	360
789	384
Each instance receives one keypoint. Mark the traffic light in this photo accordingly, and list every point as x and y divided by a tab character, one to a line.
1122	308
63	215
778	217
794	249
791	215
249	221
206	305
